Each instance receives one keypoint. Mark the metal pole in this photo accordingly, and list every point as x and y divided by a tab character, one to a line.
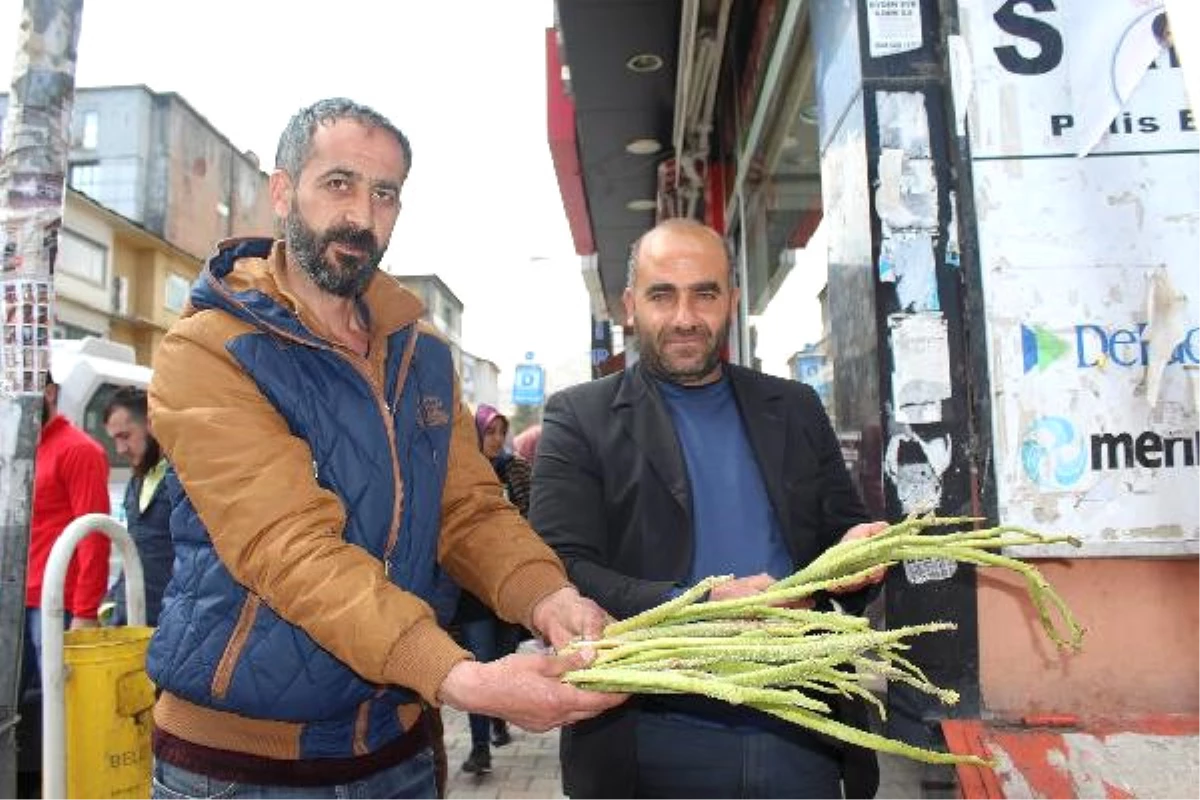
54	708
20	423
32	167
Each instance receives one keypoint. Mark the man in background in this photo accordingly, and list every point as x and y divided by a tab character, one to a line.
146	505
70	480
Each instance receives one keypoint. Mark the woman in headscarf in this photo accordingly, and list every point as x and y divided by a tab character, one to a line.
483	633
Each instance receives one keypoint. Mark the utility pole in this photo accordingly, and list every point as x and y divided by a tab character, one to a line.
32	176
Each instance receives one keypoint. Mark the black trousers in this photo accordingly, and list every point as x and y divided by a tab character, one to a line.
681	756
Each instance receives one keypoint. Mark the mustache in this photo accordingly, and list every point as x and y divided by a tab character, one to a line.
685	334
351	236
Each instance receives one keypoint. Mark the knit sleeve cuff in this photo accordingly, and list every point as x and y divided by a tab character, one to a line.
528	586
421	659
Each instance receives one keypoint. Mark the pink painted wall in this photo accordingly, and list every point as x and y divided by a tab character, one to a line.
1140	654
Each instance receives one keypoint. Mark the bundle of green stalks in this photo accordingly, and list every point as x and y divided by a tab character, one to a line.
763	652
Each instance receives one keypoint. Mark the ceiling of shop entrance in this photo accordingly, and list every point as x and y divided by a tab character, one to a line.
620	99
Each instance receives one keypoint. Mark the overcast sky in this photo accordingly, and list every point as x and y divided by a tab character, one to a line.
466	82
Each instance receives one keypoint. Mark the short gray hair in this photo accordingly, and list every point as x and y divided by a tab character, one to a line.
295	143
636	246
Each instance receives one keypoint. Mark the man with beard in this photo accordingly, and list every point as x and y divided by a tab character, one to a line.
679	468
147	508
326	486
70	480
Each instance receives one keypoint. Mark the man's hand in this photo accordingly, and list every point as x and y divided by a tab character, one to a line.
525	690
79	623
565	616
863	530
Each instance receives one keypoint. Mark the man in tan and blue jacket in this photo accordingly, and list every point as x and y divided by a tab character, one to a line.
328	495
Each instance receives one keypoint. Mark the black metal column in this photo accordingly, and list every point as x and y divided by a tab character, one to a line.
901	294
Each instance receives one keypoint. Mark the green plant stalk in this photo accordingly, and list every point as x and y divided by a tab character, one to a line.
660	612
852	735
656	682
1040	591
720	608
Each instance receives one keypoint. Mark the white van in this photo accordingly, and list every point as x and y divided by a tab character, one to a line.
89	371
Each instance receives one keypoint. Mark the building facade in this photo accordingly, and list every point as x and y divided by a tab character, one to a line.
154	159
115	279
443	309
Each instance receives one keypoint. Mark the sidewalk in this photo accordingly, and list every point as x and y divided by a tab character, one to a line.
528	767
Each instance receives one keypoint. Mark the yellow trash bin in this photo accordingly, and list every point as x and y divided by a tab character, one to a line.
109	701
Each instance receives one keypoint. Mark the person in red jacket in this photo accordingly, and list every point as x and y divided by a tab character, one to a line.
70	480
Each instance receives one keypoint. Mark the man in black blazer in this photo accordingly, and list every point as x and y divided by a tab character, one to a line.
680	467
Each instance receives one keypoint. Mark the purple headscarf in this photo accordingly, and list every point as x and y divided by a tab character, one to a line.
484	415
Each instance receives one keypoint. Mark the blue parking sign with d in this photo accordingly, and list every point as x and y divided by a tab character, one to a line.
529	385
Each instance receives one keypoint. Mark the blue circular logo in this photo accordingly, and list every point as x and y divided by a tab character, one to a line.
1053	454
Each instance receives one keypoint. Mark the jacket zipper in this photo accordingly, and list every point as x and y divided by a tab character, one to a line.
224	673
379	392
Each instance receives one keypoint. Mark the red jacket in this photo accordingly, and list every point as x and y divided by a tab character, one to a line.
71	479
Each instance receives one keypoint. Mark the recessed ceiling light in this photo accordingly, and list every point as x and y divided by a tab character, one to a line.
643	147
642	204
644	62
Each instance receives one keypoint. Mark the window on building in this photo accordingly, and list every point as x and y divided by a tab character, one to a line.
65	330
85	177
176	292
91	130
82	258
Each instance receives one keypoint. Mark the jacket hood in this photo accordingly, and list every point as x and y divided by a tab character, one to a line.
242	279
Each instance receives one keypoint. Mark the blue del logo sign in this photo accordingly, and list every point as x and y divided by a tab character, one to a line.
1097	346
529	385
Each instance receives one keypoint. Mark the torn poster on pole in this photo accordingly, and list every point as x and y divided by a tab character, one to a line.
921	376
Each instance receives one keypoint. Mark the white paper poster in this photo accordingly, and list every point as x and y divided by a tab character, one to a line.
894	26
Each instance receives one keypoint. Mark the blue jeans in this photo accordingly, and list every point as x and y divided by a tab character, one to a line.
412	778
681	756
31	661
488	639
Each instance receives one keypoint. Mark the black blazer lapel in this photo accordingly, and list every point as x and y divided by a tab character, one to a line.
765	419
646	421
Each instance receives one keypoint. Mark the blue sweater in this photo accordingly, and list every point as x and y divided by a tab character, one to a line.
735	529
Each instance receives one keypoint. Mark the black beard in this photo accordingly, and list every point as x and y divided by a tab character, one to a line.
350	276
650	354
151	457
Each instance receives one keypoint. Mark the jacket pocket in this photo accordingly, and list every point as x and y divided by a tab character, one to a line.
233	650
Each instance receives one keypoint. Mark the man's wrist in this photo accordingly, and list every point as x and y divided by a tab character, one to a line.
459	684
545	607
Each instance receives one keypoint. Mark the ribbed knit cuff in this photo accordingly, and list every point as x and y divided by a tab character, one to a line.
528	586
422	658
